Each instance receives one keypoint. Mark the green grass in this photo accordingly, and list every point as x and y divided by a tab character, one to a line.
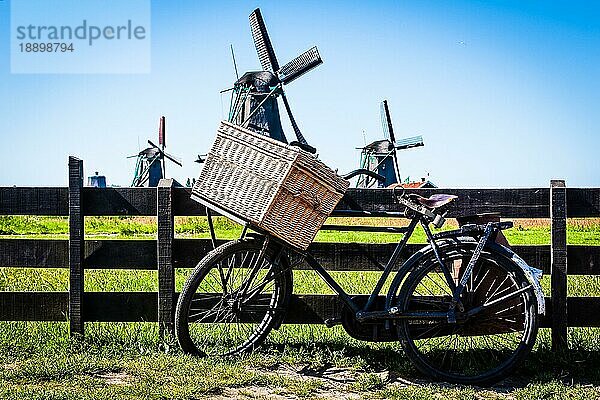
580	231
39	360
127	360
120	227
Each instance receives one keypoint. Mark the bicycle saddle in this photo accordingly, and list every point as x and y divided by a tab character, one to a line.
435	200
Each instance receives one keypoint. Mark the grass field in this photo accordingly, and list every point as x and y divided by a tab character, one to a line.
526	231
126	360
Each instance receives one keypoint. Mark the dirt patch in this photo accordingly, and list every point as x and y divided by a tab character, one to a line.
114	378
10	366
254	392
328	375
350	384
278	393
333	383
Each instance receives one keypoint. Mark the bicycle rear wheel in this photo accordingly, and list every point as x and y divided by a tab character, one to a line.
481	347
224	308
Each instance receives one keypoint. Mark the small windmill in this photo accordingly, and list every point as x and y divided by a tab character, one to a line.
254	100
380	156
150	165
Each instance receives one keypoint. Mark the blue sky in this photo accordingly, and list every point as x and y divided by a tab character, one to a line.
505	93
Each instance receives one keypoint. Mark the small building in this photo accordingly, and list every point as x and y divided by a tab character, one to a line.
97	180
423	184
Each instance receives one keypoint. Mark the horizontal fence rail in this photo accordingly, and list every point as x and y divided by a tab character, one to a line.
141	255
510	203
143	307
167	252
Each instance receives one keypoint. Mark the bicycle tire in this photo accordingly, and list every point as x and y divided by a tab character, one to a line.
221	322
479	350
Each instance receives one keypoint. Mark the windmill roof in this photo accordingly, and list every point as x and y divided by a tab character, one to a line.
379	146
261	80
149	152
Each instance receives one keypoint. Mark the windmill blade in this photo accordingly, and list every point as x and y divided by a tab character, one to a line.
162	133
171	157
299	136
264	48
407	143
176	160
386	122
237	76
300	65
384	125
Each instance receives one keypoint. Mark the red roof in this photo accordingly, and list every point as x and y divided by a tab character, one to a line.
418	185
412	185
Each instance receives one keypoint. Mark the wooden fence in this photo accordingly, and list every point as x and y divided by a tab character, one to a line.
167	253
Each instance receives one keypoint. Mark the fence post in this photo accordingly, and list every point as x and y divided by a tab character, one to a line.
76	247
166	273
558	215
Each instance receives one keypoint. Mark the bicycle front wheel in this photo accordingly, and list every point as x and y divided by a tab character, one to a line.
496	318
233	299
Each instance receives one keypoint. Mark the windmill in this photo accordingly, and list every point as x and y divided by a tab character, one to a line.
380	156
150	164
254	99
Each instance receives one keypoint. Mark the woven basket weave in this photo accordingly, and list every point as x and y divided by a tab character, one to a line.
273	186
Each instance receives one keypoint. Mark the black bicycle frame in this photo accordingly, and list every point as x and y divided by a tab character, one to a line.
345	297
367	312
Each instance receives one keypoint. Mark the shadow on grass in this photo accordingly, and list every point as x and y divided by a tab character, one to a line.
575	367
310	352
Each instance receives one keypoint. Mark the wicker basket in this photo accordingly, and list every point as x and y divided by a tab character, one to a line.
273	186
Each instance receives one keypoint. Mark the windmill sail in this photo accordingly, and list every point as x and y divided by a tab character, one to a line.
386	122
381	156
267	106
407	143
266	54
300	65
162	132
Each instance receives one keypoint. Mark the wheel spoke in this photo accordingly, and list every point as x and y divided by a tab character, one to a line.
478	347
221	319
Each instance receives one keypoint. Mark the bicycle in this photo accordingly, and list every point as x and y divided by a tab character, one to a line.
464	308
